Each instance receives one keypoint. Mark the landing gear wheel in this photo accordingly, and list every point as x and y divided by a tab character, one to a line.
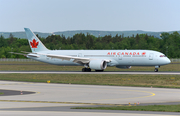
155	70
83	69
86	70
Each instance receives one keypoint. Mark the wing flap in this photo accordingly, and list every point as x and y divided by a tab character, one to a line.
84	61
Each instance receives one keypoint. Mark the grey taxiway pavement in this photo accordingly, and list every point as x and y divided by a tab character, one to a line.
93	72
57	99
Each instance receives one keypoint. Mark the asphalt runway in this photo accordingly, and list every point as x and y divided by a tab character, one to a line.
58	99
93	72
12	92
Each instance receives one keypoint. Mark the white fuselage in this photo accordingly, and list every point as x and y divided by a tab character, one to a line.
117	57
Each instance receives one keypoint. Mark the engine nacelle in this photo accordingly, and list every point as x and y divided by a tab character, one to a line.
98	64
124	67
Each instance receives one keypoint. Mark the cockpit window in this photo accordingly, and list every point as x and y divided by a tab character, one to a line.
162	56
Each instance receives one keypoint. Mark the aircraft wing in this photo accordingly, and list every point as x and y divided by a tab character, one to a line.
80	60
64	57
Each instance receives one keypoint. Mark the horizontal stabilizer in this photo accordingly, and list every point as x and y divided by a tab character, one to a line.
18	53
26	55
28	52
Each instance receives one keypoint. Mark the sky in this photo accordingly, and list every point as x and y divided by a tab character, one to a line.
102	15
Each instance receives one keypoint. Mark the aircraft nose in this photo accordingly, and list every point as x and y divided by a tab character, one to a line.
168	61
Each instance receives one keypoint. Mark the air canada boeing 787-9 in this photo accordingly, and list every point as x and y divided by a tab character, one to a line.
93	59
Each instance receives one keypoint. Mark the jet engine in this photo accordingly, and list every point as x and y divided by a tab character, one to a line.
124	67
98	64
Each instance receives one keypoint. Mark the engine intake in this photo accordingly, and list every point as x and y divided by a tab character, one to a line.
98	64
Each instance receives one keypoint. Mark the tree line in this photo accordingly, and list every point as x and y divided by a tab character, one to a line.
169	43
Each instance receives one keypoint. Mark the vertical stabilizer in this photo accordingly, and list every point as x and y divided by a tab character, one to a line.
35	44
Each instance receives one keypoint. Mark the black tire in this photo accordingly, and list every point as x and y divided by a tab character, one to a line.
88	70
83	70
155	70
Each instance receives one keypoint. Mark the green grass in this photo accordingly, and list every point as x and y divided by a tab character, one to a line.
168	81
171	81
1	93
163	108
48	67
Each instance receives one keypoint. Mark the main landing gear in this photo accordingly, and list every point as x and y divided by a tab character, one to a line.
86	70
89	70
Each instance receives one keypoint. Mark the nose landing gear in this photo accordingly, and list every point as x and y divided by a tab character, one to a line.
156	68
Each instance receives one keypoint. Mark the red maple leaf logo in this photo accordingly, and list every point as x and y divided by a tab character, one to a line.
144	53
34	44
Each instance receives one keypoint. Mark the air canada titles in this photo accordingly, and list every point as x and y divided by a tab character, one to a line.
125	54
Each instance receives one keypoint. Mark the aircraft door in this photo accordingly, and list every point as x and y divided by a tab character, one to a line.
119	57
48	58
80	55
151	56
